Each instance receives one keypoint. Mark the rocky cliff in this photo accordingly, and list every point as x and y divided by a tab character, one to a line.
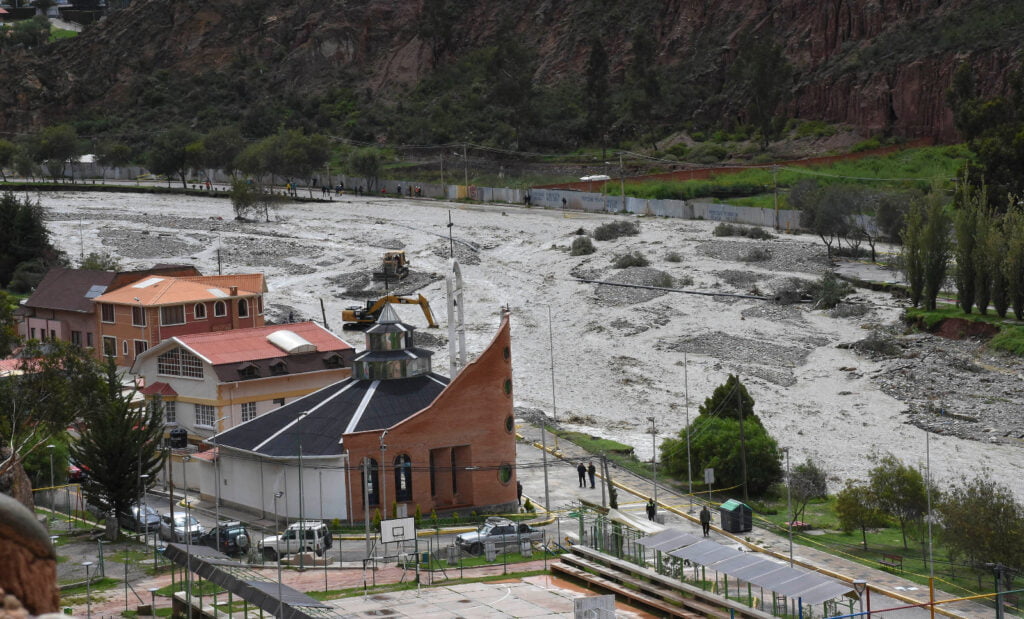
882	65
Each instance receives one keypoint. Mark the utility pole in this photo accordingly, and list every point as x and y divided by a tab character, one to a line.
654	456
775	182
551	349
686	408
465	164
743	440
789	505
366	503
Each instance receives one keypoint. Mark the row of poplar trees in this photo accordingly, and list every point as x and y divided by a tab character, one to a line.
987	245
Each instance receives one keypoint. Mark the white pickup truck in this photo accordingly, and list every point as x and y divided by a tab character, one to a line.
317	539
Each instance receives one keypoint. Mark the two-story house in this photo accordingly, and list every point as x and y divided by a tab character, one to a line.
209	382
142	314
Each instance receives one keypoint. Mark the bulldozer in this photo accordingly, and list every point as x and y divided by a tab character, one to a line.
359	318
394	267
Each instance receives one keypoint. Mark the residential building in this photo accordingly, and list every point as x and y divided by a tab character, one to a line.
62	308
208	382
139	315
427	442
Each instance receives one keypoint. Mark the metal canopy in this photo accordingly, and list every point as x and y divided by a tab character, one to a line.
758	570
246	584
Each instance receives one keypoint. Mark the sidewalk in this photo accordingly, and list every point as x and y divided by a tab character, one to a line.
634	492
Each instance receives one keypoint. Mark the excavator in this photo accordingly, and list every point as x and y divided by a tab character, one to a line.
358	318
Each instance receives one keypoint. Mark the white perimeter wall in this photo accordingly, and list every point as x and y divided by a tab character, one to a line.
250	483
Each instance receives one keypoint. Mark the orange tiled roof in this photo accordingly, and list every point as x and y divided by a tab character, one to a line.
158	388
237	345
156	290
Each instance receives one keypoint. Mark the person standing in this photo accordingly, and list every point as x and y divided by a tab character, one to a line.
705	520
519	491
652	509
591	470
581	470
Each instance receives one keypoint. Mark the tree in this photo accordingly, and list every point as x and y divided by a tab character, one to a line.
30	32
938	247
100	261
8	150
367	162
1013	262
983	266
111	154
912	254
643	87
764	77
995	252
222	147
899	491
824	210
54	383
54	147
855	509
119	444
249	198
24	238
170	154
982	520
806	482
718	440
890	211
971	207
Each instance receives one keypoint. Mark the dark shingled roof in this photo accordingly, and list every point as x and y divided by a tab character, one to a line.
347	406
66	289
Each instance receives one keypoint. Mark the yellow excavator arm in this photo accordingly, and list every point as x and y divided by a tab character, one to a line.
359	318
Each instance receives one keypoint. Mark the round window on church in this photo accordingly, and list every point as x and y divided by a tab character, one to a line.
510	424
505	473
508	386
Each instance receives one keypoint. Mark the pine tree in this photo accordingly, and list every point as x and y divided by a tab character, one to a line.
912	253
970	203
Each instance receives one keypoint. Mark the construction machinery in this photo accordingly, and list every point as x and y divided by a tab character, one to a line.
358	318
394	266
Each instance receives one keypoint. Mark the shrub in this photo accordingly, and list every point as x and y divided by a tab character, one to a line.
663	280
829	291
849	310
582	246
529	506
684	281
632	259
750	232
615	229
757	254
708	153
673	256
579	232
848	251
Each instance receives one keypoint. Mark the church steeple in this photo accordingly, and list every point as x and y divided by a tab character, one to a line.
390	353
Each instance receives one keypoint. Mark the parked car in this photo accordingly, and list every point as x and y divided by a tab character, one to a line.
148	520
499	531
76	473
182	525
317	539
234	538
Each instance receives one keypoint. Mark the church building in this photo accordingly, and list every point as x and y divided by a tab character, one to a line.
428	442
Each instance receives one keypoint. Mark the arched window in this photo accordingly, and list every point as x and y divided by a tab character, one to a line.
403	478
200	311
220	309
370	487
243	308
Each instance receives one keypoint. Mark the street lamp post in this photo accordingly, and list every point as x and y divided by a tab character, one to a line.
382	476
280	594
551	349
88	590
138	506
188	536
859	587
216	473
654	454
302	533
52	494
152	600
789	505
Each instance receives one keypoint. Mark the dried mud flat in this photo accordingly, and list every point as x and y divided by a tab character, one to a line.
618	352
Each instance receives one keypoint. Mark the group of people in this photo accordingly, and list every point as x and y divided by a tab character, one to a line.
584	470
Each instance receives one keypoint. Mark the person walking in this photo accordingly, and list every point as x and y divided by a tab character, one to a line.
652	509
705	520
519	492
581	470
591	470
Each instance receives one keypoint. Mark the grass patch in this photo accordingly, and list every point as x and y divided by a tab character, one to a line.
204	587
57	34
1009	339
99	585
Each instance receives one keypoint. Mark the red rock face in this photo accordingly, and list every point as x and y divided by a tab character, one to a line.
882	65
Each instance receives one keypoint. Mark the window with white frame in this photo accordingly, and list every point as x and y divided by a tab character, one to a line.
220	309
124	347
138	316
243	308
205	415
248	411
179	362
107	313
170	412
109	346
200	311
140	347
172	315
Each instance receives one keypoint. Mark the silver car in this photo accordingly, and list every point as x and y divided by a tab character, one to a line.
183	525
500	532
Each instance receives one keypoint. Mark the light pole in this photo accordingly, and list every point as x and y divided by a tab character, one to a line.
280	594
138	506
551	349
789	504
859	587
216	473
654	459
302	533
686	408
188	536
88	590
277	519
152	600
382	476
52	494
